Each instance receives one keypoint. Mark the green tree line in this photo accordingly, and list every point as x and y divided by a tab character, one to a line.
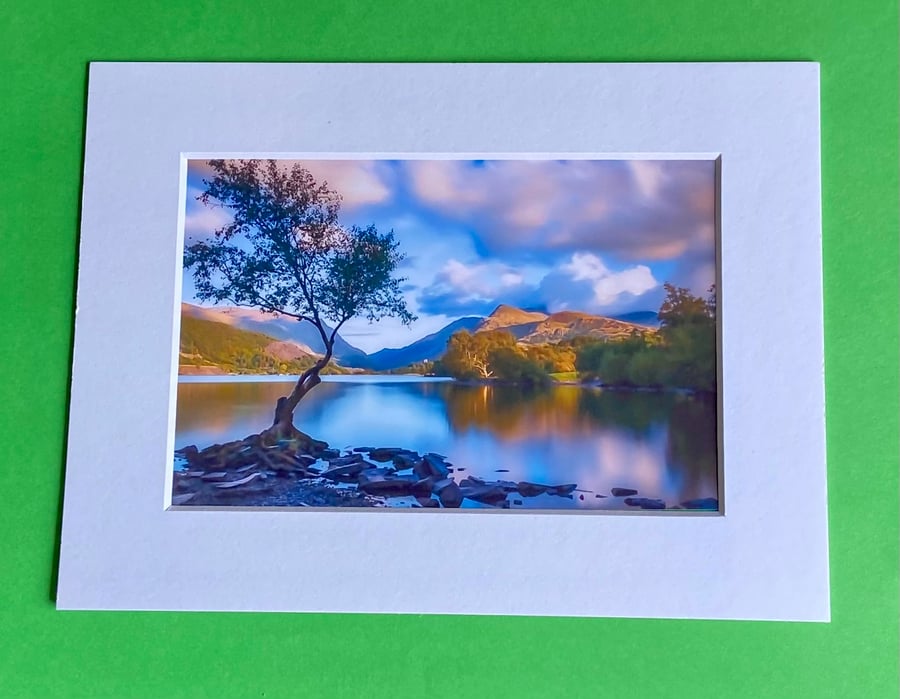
682	353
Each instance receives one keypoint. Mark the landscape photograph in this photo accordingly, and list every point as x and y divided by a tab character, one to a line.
444	333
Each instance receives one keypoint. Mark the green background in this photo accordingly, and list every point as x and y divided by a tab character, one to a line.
45	47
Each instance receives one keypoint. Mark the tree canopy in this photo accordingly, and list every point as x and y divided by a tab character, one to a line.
284	251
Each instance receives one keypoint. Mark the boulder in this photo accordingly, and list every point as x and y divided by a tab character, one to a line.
623	492
646	503
422	470
529	490
423	486
566	489
490	494
701	504
383	454
448	492
346	473
183	499
428	502
386	485
345	460
403	462
437	466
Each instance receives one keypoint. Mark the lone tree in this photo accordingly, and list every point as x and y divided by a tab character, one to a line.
285	253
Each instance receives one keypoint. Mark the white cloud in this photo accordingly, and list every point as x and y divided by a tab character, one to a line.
634	210
360	182
585	283
484	280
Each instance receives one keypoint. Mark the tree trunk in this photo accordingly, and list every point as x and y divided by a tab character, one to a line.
283	422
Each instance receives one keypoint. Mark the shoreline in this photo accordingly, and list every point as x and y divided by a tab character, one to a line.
402	378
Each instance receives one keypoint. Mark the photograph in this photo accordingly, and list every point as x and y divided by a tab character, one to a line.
446	332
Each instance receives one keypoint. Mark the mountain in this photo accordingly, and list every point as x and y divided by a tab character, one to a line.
648	318
211	347
278	327
540	328
429	347
509	317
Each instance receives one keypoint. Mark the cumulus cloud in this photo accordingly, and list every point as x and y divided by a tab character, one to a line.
581	283
473	289
650	210
585	283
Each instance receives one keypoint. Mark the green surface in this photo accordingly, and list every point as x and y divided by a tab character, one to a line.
45	47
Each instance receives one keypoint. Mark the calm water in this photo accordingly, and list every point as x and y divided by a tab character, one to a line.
661	444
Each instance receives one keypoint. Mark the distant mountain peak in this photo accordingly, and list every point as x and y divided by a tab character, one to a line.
504	316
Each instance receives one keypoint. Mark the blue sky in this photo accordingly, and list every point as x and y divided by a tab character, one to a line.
600	236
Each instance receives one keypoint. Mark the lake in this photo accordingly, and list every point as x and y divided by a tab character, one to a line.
661	444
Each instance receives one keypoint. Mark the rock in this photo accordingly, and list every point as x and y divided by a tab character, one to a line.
348	472
508	486
383	454
329	454
436	464
189	453
448	492
376	471
194	474
501	470
424	486
566	489
235	484
363	449
214	476
622	492
598	495
244	469
403	462
421	469
529	490
646	503
484	493
386	485
306	460
345	460
460	468
183	499
428	502
471	480
517	502
581	497
701	504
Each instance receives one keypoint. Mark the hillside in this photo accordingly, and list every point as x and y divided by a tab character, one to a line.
428	348
210	347
277	327
539	328
648	318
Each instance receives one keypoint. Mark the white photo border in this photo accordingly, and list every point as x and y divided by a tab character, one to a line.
123	547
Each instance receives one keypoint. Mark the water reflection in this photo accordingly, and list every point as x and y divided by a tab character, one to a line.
662	444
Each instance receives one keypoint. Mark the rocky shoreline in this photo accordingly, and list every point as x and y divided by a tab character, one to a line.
304	472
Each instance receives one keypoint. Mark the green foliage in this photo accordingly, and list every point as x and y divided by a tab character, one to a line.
208	343
492	355
284	250
682	354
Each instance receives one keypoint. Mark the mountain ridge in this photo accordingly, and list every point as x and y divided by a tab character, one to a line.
290	340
